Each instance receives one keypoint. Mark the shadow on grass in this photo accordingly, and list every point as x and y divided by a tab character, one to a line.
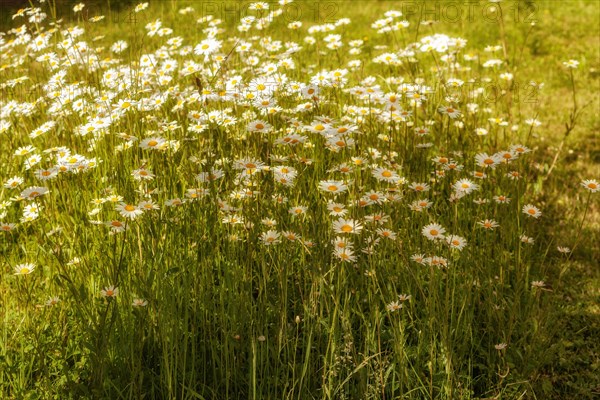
574	367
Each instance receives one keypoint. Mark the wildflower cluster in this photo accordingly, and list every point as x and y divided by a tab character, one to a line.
242	150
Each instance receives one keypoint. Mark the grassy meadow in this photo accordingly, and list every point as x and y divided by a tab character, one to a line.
300	200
